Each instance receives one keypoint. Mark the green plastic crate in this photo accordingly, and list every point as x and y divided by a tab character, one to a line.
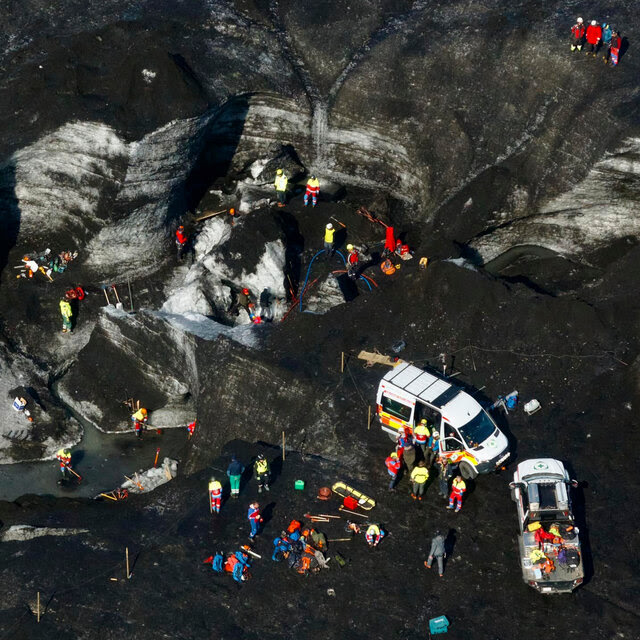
299	485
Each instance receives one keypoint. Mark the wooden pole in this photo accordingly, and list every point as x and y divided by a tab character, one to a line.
130	296
340	540
38	607
283	453
342	362
210	214
126	553
369	419
355	513
155	462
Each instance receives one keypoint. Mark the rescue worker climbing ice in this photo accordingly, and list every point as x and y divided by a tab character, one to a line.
215	496
329	231
191	427
280	184
64	456
577	35
312	191
181	241
458	487
261	471
67	314
139	419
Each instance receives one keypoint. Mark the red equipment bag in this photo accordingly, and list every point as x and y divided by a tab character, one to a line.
350	503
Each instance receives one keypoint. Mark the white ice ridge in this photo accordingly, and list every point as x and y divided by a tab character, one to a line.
598	210
23	532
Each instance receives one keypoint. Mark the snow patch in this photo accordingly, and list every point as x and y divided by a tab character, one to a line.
23	532
148	76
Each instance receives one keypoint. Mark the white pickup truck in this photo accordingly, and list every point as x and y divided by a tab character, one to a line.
548	541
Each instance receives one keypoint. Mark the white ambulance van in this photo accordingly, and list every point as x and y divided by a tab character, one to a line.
468	435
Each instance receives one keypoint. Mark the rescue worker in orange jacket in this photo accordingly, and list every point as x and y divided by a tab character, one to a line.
458	487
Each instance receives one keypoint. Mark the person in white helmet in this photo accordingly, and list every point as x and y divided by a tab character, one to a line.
328	239
577	35
594	36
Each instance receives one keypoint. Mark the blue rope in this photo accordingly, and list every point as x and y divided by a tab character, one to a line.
366	282
307	277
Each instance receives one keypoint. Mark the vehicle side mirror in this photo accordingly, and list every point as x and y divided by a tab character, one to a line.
516	485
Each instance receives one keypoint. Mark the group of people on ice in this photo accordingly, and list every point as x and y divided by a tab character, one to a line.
596	37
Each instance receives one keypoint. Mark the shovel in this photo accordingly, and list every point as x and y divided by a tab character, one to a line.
106	295
118	303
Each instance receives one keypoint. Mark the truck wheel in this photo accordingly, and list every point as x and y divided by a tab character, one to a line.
467	471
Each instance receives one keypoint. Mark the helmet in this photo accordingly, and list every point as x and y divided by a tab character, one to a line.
181	227
26	259
246	292
593	23
329	226
605	25
436	435
423	421
143	411
394	455
260	456
349	247
580	21
232	211
313	177
279	172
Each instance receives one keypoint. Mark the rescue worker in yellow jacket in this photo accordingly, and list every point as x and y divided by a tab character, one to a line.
328	239
64	456
280	184
262	473
458	487
139	419
215	496
67	314
419	477
312	191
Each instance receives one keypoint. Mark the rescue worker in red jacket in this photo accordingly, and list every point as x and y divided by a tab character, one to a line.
458	487
313	191
255	519
577	35
393	465
614	48
594	35
191	427
353	259
181	241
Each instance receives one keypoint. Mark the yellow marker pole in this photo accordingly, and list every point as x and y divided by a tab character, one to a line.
38	607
